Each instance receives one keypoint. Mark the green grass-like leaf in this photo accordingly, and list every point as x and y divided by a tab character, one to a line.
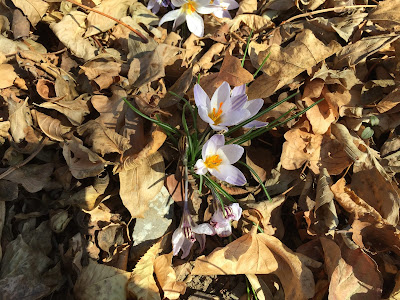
258	178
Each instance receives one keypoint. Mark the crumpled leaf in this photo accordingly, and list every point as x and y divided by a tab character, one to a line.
166	276
255	22
142	284
260	253
101	282
141	183
98	23
386	14
33	9
70	30
51	127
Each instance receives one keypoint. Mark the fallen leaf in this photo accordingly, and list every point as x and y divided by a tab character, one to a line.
101	282
166	276
9	76
33	9
386	14
141	183
141	284
51	127
255	22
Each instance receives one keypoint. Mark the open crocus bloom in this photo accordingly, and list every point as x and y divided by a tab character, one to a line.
155	5
221	220
187	233
227	108
218	159
189	10
223	6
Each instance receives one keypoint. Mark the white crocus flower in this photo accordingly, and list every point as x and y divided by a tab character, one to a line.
217	158
226	108
223	6
189	10
221	219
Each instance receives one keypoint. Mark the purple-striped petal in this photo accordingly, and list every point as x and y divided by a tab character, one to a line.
238	101
230	153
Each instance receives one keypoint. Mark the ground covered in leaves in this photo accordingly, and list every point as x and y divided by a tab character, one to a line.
91	192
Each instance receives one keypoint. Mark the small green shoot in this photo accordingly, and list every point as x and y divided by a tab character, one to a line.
258	179
247	48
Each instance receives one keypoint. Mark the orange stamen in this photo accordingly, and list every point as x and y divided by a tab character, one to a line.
216	115
213	161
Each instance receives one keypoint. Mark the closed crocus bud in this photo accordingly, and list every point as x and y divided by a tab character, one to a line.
59	221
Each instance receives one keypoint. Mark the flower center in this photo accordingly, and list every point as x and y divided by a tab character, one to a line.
189	7
216	115
213	161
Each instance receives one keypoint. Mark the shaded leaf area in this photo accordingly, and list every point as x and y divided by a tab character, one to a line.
91	191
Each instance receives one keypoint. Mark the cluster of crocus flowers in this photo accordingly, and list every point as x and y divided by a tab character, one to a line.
226	107
190	10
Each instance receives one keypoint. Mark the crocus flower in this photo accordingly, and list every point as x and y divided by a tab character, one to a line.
155	5
189	10
221	220
218	159
187	233
223	6
227	108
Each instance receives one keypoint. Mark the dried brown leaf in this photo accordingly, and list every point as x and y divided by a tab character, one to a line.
141	183
51	127
101	282
386	14
33	9
166	276
255	22
8	76
142	284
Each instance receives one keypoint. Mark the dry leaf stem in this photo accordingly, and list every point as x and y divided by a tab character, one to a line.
24	162
324	11
144	39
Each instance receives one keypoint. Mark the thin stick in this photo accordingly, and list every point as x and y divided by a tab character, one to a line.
28	159
144	39
323	11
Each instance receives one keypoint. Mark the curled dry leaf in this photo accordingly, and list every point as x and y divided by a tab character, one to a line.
260	254
70	30
81	161
141	284
33	9
51	127
101	282
353	274
166	276
141	182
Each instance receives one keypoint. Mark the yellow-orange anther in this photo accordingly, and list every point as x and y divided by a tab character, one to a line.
189	7
213	161
216	115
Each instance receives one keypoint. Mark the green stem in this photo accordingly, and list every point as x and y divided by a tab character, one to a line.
247	47
258	178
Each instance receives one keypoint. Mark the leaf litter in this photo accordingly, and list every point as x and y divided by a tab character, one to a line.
94	178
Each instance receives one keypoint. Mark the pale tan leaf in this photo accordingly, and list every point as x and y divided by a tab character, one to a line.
255	22
141	183
386	14
389	101
166	276
142	284
70	30
101	282
51	127
114	8
8	75
247	7
81	161
33	9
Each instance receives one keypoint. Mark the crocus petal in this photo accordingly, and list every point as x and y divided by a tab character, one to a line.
218	217
223	229
180	19
219	12
204	228
237	211
234	117
253	106
230	153
203	3
218	127
205	10
178	3
230	174
203	113
211	146
187	245
195	24
255	124
238	90
221	94
230	4
177	240
200	97
200	167
238	101
170	16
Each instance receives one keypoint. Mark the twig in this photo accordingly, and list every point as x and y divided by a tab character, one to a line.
323	11
144	39
220	22
24	162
